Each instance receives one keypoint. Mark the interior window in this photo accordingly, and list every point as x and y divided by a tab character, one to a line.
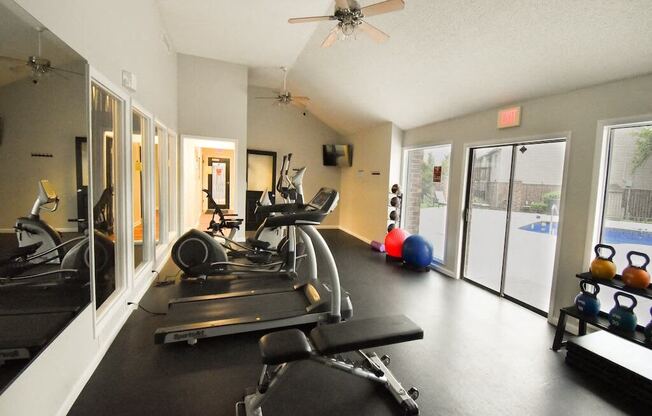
159	185
427	195
139	134
627	210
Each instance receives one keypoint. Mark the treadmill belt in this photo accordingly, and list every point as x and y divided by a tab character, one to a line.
262	305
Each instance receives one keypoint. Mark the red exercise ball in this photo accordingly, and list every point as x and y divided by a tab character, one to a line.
394	242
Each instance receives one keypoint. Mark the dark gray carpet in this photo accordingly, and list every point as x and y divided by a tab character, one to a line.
481	355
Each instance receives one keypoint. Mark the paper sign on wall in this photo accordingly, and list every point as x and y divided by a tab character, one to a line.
436	174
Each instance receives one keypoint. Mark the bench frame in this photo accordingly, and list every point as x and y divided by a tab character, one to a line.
370	367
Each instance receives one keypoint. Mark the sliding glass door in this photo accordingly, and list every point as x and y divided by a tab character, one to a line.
512	217
534	220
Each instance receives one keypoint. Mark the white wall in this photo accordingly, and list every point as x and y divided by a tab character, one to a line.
116	35
286	130
364	200
43	118
213	104
577	112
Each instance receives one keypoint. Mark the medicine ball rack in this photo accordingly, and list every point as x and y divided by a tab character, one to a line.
395	207
601	321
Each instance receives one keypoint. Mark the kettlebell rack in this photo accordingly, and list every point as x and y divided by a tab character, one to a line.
602	320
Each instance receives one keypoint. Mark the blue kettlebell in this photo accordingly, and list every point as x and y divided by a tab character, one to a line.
587	301
622	317
648	331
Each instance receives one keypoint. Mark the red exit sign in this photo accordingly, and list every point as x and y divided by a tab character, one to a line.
509	117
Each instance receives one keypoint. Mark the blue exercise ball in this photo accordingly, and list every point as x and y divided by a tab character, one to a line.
417	252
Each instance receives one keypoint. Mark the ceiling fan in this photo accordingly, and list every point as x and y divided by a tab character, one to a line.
350	17
285	97
36	64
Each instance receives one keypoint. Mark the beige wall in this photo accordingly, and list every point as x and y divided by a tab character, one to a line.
213	104
104	32
577	112
287	130
364	200
42	118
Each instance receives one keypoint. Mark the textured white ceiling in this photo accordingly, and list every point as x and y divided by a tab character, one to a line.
446	58
251	32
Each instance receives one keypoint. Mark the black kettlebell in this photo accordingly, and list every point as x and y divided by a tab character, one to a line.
623	317
393	215
394	201
648	331
587	301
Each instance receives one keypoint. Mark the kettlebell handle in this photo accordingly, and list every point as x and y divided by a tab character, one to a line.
583	287
638	253
606	247
628	296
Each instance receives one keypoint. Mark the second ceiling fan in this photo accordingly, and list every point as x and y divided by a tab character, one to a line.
350	17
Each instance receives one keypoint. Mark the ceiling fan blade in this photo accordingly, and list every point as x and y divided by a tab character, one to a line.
19	68
342	4
266	98
375	33
310	19
9	58
301	100
65	70
298	104
383	7
331	38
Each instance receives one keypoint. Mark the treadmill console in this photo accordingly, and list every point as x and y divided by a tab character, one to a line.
325	200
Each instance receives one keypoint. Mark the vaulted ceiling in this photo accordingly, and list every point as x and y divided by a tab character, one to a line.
445	58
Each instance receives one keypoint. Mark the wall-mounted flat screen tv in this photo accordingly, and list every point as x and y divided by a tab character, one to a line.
338	155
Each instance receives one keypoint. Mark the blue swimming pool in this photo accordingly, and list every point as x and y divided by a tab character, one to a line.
611	235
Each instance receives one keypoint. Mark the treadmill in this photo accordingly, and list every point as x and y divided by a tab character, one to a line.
309	301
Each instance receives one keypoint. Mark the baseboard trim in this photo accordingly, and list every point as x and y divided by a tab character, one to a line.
352	234
443	270
104	345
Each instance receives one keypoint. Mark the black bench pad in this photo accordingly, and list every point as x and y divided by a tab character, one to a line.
284	346
364	333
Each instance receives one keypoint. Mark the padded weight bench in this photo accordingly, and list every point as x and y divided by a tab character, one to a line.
280	349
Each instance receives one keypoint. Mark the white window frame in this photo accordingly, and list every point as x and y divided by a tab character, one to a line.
173	188
148	241
161	248
404	183
599	185
114	303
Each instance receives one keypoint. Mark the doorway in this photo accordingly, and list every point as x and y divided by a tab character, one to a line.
219	182
511	219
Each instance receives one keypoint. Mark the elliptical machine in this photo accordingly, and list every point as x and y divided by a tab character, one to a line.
40	246
32	230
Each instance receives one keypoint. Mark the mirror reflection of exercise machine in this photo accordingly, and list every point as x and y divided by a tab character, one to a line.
43	283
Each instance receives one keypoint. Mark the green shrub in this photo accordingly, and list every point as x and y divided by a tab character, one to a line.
539	207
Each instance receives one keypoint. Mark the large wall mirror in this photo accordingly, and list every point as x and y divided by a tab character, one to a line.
44	174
